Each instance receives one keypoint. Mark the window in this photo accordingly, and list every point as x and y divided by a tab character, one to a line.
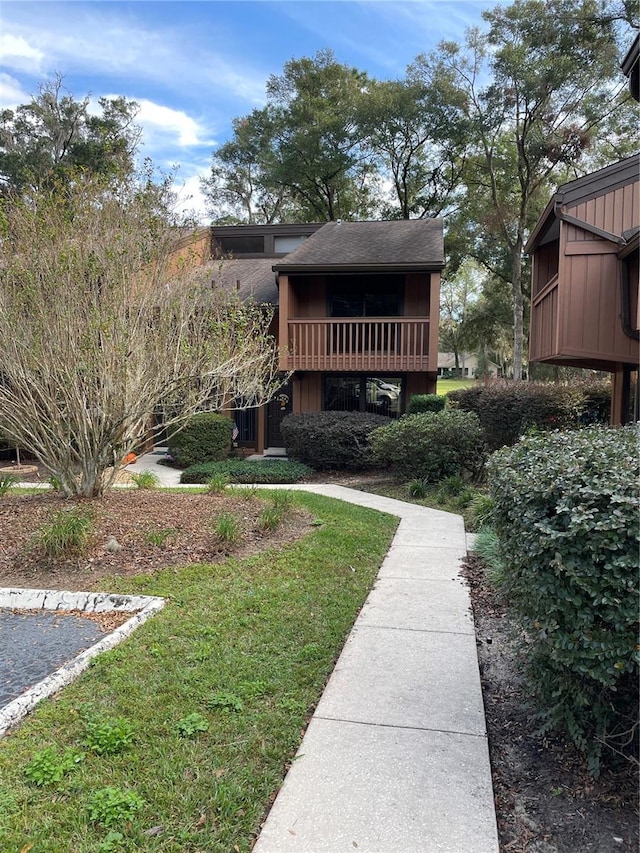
282	245
380	395
241	245
365	296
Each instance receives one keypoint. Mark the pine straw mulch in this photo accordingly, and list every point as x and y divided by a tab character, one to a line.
154	529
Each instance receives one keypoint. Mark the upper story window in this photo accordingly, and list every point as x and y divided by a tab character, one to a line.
242	244
365	296
283	245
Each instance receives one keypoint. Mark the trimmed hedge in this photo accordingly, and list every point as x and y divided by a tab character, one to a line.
566	513
432	445
241	471
426	403
331	439
508	410
206	437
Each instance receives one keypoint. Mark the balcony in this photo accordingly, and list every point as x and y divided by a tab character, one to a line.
398	344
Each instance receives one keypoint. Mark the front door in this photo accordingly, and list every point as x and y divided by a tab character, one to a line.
277	409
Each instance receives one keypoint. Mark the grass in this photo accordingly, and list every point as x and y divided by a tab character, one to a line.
446	385
216	689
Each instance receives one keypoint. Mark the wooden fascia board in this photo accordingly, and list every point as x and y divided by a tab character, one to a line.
314	269
562	214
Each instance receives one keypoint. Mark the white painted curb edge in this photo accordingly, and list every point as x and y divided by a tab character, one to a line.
144	605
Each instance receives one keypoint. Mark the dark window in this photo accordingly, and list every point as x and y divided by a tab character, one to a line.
246	245
365	296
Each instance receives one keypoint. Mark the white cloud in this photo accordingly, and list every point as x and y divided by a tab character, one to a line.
18	53
11	92
160	121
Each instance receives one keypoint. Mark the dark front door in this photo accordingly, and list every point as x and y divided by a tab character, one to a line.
277	409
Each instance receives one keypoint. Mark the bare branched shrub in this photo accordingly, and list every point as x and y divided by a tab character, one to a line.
103	322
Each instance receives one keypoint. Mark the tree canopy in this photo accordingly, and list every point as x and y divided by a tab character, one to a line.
55	135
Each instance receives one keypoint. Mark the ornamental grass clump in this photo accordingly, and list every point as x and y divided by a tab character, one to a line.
566	514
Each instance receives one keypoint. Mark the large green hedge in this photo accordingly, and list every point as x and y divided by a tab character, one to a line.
243	471
508	410
426	403
432	445
205	438
566	513
331	439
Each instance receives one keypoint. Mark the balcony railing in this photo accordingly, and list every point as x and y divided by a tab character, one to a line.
381	344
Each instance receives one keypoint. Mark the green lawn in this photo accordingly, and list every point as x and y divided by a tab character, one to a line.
446	385
178	739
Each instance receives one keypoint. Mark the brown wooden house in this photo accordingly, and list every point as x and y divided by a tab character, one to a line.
357	306
584	290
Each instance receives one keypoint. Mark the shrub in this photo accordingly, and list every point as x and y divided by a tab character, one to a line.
268	471
7	481
510	409
331	439
426	403
431	446
146	480
68	530
205	438
566	513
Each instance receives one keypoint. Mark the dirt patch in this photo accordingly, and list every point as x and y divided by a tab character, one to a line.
152	529
546	802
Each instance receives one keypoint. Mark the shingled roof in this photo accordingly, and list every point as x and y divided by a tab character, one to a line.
253	278
402	244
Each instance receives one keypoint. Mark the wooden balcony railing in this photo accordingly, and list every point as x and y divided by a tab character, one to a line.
380	344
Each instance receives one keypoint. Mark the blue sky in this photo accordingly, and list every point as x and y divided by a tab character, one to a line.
194	66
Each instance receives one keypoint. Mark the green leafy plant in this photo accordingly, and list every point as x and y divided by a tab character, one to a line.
113	807
480	510
227	528
331	439
69	530
108	735
217	484
192	725
270	518
418	488
205	438
508	410
282	500
432	446
426	403
146	480
7	481
159	536
48	766
225	700
566	515
242	471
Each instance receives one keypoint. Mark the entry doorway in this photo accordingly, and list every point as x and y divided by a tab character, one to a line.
277	409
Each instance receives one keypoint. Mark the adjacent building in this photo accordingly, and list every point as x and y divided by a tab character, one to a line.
356	313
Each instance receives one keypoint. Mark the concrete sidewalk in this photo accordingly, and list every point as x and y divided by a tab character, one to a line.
395	758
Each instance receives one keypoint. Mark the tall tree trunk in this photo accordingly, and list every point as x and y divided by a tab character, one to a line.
518	309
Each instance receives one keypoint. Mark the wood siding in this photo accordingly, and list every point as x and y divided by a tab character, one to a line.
576	314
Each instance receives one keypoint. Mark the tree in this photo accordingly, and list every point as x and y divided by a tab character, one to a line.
537	87
102	323
458	293
305	153
54	135
420	144
241	186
